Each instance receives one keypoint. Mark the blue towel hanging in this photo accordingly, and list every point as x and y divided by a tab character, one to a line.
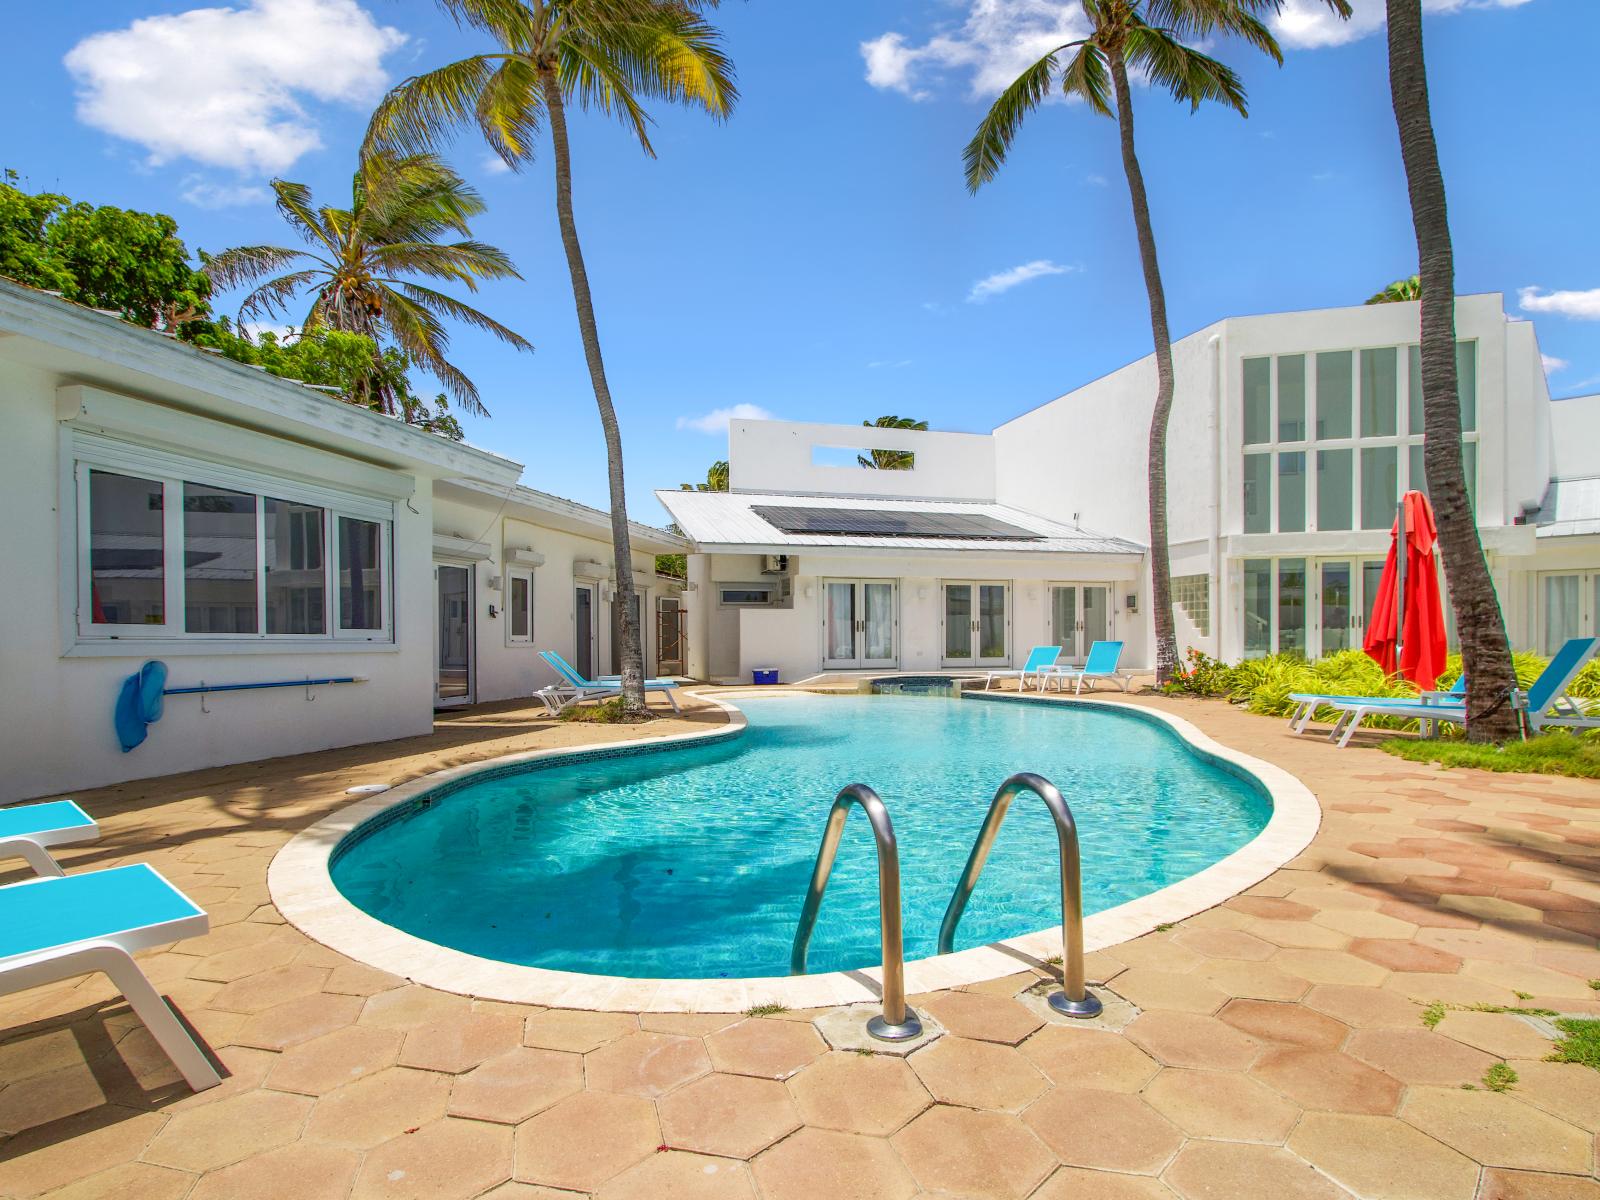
139	703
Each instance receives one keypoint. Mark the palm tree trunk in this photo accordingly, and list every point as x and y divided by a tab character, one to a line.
1481	627
1156	468
622	548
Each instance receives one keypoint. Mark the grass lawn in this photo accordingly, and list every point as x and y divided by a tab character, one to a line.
1557	753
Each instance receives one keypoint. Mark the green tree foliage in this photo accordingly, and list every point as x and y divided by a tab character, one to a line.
890	460
1399	290
716	480
349	363
104	257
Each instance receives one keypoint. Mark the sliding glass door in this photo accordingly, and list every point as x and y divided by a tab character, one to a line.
977	624
453	682
1080	616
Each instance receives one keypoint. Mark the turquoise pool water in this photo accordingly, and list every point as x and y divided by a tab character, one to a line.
693	863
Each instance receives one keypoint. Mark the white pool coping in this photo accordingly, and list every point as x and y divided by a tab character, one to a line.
303	891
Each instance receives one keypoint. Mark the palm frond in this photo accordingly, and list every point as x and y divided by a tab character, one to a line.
437	302
243	265
1087	78
995	133
423	337
426	109
1182	70
293	201
465	262
673	54
591	76
510	110
272	298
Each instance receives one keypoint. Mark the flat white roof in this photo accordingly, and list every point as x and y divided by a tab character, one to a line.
1571	508
725	520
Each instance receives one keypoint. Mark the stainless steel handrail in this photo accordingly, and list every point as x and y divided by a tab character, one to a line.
897	1023
1075	999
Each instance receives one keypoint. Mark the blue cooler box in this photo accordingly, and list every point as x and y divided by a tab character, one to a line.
764	675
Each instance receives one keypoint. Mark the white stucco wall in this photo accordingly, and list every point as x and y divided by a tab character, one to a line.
1575	437
57	732
777	456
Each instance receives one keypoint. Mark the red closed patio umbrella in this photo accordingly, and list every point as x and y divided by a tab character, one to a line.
1406	632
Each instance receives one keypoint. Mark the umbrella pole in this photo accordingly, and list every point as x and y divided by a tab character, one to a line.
1400	555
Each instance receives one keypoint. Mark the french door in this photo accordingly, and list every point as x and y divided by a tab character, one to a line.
1569	607
1080	616
583	627
977	624
858	623
453	662
1311	607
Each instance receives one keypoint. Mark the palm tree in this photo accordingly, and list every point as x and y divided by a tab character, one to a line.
890	460
1485	650
1149	36
606	55
716	480
364	258
1398	291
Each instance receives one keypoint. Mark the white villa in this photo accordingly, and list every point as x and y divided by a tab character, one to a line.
166	504
1292	437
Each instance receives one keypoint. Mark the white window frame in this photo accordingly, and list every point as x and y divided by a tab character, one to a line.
91	452
515	573
771	590
1402	439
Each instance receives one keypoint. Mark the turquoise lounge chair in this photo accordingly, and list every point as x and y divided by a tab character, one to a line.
55	928
575	688
1039	658
1307	703
29	830
1102	663
1545	703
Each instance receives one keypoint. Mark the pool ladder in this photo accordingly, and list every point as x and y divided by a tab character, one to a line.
897	1022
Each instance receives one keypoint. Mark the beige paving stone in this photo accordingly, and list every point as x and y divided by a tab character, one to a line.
586	1139
1420	1056
646	1064
260	989
1207	1170
679	1176
358	979
1222	1104
1299	935
1330	966
1076	1183
1529	977
333	1060
1075	1056
687	1024
1358	924
378	1107
410	1006
1500	1034
1536	1185
1150	988
977	1154
1570	1091
244	960
1191	1040
1487	908
448	1159
1383	1156
1326	1080
458	1043
512	1190
295	1021
303	1170
1256	980
1225	943
770	1049
203	1139
855	1093
40	1099
576	1031
977	1074
65	1152
1498	1129
142	1181
841	1166
989	1018
1452	989
735	1116
1107	1131
1284	1024
1158	951
512	1087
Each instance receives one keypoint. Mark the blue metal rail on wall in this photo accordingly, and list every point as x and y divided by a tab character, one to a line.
140	702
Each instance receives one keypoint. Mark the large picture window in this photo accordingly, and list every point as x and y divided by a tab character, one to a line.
1346	467
173	553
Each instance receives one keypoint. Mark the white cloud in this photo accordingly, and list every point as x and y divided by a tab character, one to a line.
716	421
493	164
995	42
206	193
888	362
1096	179
1310	24
998	38
226	86
1004	281
1552	364
1584	306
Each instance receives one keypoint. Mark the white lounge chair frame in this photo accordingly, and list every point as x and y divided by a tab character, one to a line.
1030	669
34	846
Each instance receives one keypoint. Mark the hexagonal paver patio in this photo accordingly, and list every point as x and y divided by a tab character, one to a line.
1280	1048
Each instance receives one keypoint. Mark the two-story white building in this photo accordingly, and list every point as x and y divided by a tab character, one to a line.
1292	437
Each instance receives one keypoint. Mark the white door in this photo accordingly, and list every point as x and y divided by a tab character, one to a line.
977	624
453	661
1080	616
858	623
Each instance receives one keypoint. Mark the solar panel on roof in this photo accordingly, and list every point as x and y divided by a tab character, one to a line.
859	522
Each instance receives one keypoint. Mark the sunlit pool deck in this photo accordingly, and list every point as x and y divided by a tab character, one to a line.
1276	1045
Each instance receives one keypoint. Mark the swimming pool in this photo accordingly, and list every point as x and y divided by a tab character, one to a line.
693	862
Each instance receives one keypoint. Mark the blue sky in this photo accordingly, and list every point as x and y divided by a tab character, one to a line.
817	257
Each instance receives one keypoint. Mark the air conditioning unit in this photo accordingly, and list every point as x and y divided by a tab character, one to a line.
775	564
